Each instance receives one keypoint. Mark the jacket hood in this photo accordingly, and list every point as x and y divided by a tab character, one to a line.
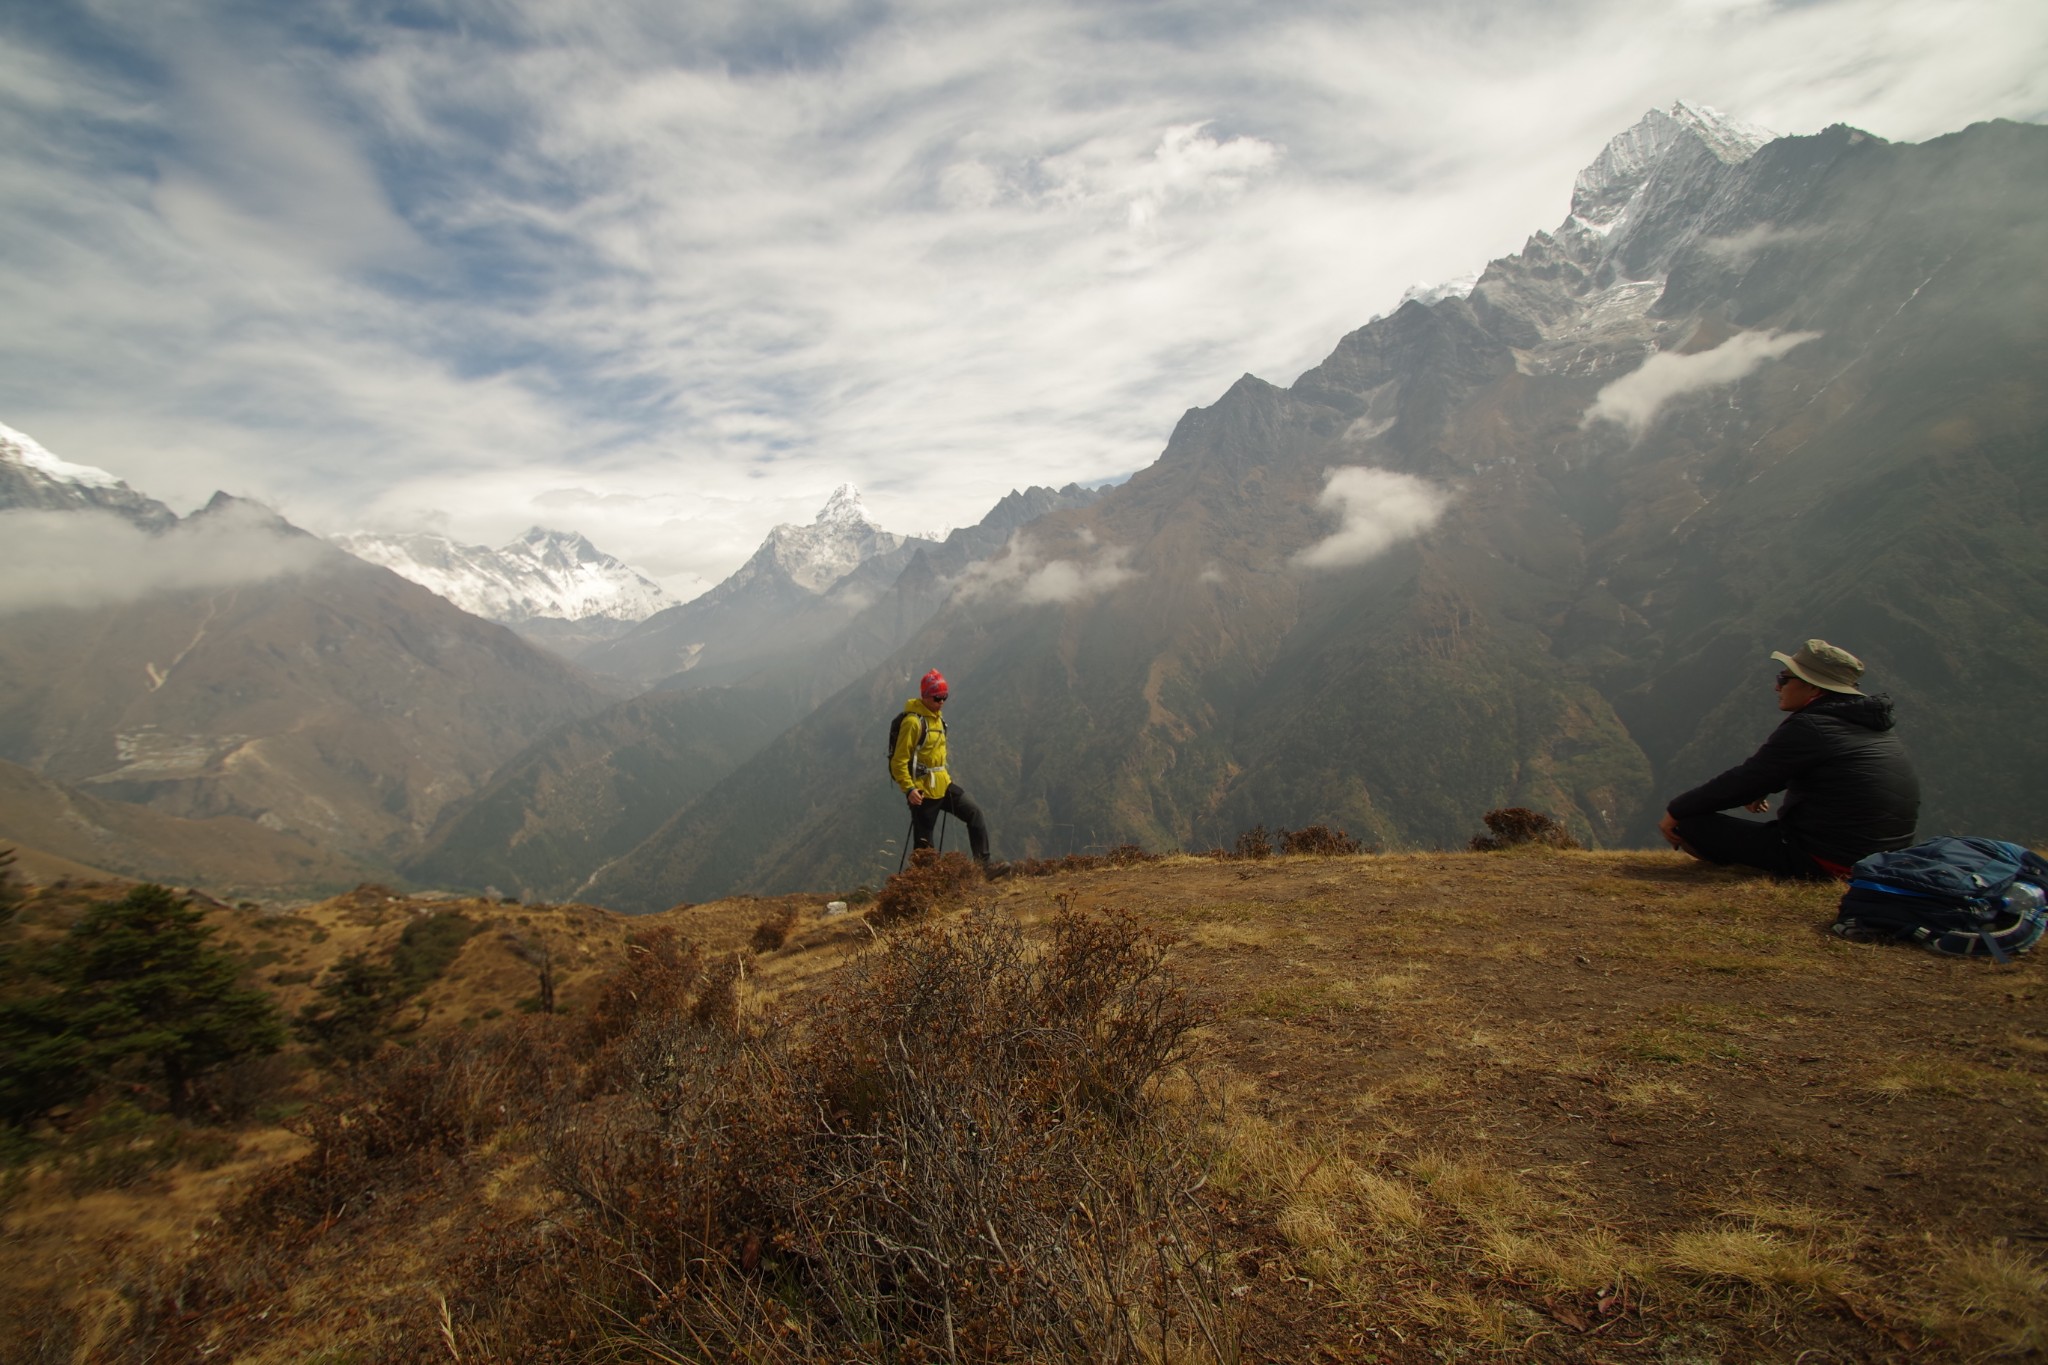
1872	712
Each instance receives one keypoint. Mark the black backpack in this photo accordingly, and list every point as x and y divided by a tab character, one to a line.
1962	897
896	729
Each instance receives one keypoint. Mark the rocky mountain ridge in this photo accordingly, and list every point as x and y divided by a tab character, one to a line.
541	574
34	480
1532	547
803	584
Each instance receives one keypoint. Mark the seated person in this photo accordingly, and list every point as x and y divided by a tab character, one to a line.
1849	788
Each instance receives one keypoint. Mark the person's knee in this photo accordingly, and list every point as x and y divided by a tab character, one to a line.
1686	832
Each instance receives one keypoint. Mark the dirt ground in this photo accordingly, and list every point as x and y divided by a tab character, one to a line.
1609	1106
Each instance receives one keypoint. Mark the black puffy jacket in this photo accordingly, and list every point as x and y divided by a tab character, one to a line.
1849	787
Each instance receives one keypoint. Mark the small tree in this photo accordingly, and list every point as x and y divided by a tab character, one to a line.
345	1026
140	980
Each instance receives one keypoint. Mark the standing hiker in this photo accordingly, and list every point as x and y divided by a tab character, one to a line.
917	760
1849	787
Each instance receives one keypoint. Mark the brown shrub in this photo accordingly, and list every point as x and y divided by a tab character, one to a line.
933	881
718	1003
660	974
955	1155
1516	825
774	929
1317	840
1253	844
955	1158
1123	855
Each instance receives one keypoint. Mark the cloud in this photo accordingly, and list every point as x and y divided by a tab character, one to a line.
710	261
1739	249
94	559
1376	509
1634	400
1023	574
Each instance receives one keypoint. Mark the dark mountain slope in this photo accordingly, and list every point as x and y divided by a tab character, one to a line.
341	703
592	790
225	855
1841	435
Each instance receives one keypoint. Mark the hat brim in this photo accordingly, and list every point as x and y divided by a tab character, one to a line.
1782	657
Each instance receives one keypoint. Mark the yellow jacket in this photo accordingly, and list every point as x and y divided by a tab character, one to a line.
920	765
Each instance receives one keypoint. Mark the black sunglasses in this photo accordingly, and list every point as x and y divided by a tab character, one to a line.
1786	675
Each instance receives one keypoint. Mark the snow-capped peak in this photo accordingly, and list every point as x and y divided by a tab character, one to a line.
844	508
839	540
543	573
17	448
1427	292
1604	189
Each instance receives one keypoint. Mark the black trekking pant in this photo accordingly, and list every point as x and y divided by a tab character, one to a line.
958	804
1760	844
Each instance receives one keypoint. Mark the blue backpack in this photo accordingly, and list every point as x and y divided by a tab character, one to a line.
1963	897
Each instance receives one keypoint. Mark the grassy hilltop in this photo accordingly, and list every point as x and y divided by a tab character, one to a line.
1533	1105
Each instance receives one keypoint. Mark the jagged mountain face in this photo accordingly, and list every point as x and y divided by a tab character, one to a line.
543	575
32	479
840	539
1739	399
803	584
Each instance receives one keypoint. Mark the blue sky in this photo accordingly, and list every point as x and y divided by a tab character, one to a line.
666	273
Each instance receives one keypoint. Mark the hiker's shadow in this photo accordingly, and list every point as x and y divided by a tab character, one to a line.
1684	871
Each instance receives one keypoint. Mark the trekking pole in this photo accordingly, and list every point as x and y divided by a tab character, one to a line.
942	831
908	834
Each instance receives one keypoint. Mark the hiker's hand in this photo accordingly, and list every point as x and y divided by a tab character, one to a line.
1668	827
916	797
1758	806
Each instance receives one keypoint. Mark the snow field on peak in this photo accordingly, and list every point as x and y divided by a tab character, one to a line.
543	573
1629	156
20	449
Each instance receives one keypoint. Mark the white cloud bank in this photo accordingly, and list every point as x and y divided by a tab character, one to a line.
1023	574
95	559
701	263
1376	509
1634	400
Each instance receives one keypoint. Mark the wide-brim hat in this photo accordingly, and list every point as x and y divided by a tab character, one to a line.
1826	666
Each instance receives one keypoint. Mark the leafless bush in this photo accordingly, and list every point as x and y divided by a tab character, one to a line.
1515	825
1254	843
718	1003
933	881
660	975
956	1155
774	929
419	1105
954	1159
1317	840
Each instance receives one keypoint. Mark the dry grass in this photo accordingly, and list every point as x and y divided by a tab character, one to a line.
1534	1105
1992	1293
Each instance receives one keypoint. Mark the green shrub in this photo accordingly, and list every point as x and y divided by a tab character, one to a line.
427	946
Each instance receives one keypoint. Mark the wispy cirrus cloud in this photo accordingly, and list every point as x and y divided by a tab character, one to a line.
696	265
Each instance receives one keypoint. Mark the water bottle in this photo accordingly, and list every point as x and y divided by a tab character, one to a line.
2026	901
